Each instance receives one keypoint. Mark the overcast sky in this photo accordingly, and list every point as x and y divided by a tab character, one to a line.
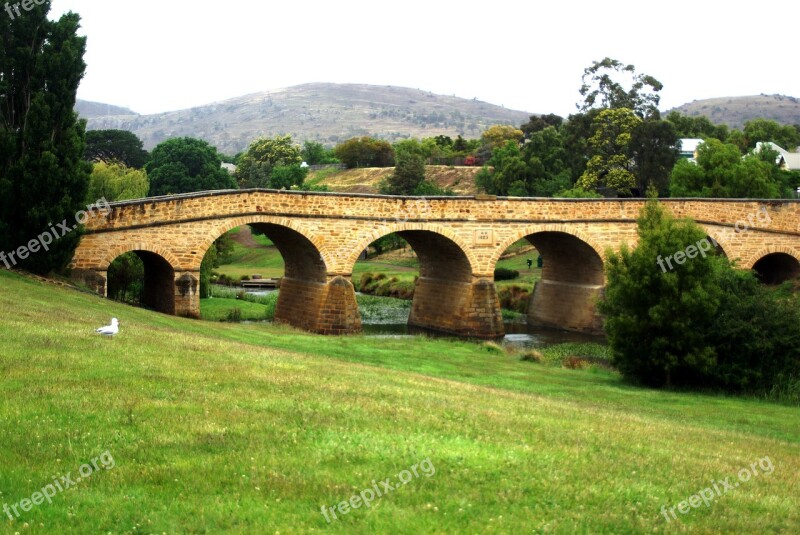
162	55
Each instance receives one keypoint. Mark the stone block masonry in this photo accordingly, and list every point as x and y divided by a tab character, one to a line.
458	240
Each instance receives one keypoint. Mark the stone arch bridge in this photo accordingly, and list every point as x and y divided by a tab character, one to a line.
458	241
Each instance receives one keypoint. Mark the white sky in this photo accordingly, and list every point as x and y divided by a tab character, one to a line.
162	55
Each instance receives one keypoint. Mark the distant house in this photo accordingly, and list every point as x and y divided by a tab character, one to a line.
786	160
229	167
688	148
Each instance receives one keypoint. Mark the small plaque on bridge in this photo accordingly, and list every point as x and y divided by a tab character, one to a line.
484	237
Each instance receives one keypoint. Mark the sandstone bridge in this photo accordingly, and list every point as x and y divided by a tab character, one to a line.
458	241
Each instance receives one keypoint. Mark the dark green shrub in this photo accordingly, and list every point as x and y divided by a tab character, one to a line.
702	324
503	274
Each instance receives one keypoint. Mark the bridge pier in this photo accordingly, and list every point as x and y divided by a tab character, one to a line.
185	295
323	308
566	305
95	280
460	308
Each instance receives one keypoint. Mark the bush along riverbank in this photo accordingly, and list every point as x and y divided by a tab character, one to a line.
513	298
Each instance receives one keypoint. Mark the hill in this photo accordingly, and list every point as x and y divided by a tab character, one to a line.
367	180
328	113
91	110
735	111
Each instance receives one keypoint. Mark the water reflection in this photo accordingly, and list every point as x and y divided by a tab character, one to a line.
518	335
387	318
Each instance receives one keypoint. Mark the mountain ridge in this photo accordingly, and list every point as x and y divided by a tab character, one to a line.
331	113
328	113
735	111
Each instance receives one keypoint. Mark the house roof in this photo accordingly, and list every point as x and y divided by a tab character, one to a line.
792	159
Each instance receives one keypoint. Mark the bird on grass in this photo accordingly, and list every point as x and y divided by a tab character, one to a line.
109	330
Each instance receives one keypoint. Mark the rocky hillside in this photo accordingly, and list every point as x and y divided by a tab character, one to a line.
328	113
90	110
735	111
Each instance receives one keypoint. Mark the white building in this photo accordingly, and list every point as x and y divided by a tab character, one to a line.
787	160
688	148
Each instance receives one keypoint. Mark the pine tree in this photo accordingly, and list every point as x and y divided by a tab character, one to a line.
43	177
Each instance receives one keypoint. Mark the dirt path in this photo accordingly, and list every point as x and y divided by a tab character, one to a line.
245	238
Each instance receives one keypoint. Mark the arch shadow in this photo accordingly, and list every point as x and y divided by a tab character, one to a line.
158	283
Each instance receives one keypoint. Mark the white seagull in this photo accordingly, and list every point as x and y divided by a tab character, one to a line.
109	330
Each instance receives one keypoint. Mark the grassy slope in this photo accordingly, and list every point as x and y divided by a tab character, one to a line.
366	180
219	428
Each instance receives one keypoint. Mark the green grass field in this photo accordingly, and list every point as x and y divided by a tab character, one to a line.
231	428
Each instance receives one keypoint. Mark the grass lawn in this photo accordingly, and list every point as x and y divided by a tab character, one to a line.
264	259
219	309
230	428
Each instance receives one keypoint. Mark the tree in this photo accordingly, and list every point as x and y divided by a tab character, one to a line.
209	262
696	127
766	130
117	182
722	172
610	164
288	177
408	174
365	152
657	320
744	333
262	156
701	323
509	173
115	145
315	153
126	278
185	165
577	193
460	144
547	158
498	135
43	177
537	123
575	134
654	150
600	89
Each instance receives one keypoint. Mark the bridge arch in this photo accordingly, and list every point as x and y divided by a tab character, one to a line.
524	232
309	297
446	235
716	235
120	250
775	264
158	285
308	246
573	277
448	297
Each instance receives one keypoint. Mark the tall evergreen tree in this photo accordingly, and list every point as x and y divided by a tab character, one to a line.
43	177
